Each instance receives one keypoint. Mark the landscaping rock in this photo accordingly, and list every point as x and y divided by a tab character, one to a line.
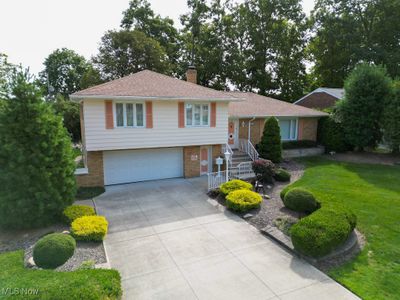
30	263
247	216
66	232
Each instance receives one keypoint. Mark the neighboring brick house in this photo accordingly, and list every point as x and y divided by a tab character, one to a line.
247	119
321	98
149	126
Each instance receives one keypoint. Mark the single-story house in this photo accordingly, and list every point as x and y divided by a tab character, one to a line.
321	98
247	119
149	126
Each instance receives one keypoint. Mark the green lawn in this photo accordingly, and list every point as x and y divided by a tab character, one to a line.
84	284
373	193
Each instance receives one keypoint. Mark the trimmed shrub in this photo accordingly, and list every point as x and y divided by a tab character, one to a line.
284	192
53	250
331	135
344	212
73	212
282	175
270	146
243	200
264	170
298	144
300	200
234	185
89	228
320	233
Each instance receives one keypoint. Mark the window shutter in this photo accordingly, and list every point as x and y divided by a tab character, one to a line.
213	112
149	114
109	114
181	115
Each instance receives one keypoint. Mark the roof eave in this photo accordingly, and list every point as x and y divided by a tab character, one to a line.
78	98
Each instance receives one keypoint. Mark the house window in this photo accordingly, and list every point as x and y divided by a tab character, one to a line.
288	129
197	114
129	114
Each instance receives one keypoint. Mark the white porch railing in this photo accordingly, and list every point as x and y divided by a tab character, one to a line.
247	147
215	179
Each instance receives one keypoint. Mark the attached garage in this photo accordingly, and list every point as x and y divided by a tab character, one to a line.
124	166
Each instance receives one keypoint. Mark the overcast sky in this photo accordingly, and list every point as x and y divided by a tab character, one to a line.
31	29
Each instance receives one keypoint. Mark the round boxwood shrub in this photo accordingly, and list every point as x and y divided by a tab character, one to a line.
53	250
89	228
320	233
282	175
243	200
73	212
234	185
300	200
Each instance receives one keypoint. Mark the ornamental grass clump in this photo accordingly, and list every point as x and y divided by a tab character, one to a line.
243	200
234	185
89	228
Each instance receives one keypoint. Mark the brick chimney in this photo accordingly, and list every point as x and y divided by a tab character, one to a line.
191	74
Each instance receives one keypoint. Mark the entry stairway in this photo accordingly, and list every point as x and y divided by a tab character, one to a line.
241	165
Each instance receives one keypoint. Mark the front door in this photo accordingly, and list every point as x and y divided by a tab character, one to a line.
233	134
205	160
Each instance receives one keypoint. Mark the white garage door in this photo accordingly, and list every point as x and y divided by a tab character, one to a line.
139	165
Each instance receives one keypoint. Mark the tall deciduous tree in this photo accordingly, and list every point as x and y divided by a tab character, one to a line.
140	16
391	118
6	71
37	165
129	51
351	31
63	72
366	90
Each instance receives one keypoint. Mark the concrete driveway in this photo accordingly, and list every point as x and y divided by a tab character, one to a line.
169	241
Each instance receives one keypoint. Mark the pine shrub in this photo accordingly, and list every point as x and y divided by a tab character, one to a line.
270	146
36	159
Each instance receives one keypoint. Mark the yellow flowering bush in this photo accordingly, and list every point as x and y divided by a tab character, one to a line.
89	228
243	200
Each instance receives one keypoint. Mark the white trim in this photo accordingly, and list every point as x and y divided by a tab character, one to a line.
201	114
78	98
124	114
321	114
318	90
81	171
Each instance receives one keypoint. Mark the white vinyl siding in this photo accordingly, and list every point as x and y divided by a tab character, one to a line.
197	114
165	131
288	128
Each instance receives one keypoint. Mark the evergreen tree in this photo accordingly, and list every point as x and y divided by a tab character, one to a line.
270	146
37	165
391	118
366	90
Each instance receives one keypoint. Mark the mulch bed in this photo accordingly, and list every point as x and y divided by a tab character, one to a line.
272	208
12	240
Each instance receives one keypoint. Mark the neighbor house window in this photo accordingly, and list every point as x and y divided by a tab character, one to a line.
197	114
288	129
129	114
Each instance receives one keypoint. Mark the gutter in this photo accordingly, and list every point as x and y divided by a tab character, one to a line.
78	98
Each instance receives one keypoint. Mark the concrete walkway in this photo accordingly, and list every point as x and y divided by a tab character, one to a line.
169	241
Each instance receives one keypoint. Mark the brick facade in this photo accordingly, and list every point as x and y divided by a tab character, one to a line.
95	176
191	160
308	128
319	100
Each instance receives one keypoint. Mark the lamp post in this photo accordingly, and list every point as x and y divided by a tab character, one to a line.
219	161
227	158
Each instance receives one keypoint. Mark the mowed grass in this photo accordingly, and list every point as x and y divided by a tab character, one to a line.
83	284
373	193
